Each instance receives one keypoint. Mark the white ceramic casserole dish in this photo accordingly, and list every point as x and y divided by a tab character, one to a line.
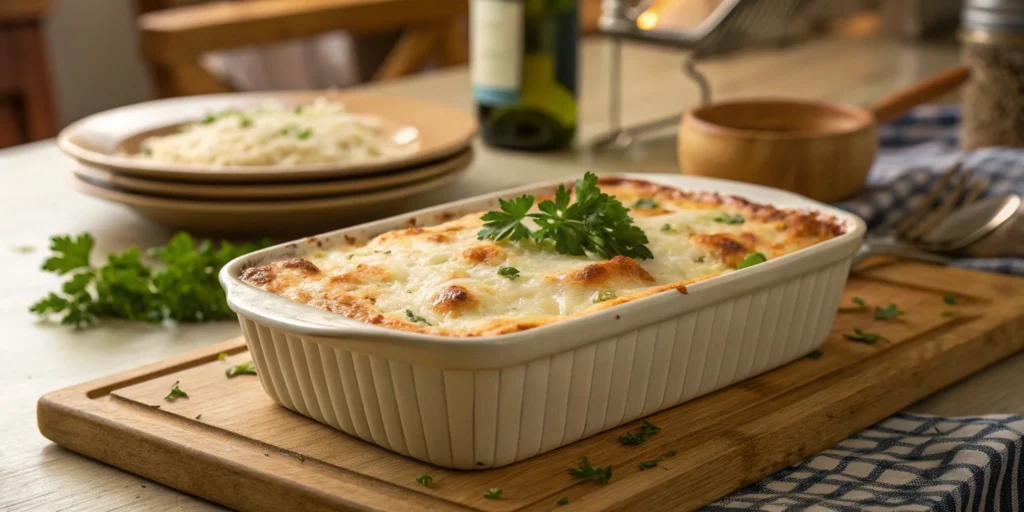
482	402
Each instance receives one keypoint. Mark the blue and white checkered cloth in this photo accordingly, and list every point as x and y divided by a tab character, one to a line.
915	151
908	462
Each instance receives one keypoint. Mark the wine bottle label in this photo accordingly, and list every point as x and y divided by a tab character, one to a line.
496	50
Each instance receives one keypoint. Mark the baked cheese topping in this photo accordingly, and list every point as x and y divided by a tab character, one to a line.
443	280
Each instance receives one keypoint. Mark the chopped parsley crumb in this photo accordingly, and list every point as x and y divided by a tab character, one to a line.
23	249
887	313
699	259
949	298
222	356
817	354
493	493
246	368
666	228
725	218
861	305
415	319
425	480
563	501
175	393
245	122
647	429
865	337
298	109
511	273
603	295
751	259
305	134
588	472
653	463
646	203
208	119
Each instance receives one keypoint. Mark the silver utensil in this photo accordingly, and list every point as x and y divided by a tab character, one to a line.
958	221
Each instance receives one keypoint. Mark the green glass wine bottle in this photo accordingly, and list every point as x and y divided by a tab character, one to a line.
523	71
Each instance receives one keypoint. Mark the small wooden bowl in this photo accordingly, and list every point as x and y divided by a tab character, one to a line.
821	150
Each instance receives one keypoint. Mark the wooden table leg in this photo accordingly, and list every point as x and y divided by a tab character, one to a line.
33	69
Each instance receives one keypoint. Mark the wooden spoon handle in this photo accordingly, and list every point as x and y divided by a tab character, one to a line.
899	102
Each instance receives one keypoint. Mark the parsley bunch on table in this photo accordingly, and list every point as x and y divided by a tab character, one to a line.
175	282
595	223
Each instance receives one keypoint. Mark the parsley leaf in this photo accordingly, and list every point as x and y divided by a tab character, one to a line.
493	493
563	501
861	305
602	296
726	218
69	253
425	480
646	203
184	288
865	337
511	273
647	429
596	223
409	315
817	354
588	472
246	368
175	393
949	298
222	356
305	134
653	463
665	228
887	313
244	122
751	259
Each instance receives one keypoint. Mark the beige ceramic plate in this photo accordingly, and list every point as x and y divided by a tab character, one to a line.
99	140
319	188
292	217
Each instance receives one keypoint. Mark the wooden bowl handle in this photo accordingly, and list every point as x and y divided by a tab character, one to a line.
899	102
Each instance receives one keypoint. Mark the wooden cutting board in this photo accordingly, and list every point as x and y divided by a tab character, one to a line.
230	444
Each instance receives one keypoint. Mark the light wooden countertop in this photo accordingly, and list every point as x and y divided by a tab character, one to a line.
35	203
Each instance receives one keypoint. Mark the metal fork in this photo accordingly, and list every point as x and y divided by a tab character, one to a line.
911	238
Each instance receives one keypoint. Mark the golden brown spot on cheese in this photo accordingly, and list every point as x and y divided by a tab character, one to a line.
258	276
726	247
303	265
487	254
363	273
453	299
439	238
619	268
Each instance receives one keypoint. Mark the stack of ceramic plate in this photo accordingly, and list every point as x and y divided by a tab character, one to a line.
248	199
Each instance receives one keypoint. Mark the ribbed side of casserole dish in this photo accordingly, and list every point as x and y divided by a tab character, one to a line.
481	402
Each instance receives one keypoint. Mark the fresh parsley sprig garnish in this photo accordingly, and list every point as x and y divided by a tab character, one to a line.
425	480
246	368
647	429
595	223
180	285
588	472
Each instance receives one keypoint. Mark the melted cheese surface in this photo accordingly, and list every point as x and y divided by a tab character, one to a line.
443	280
